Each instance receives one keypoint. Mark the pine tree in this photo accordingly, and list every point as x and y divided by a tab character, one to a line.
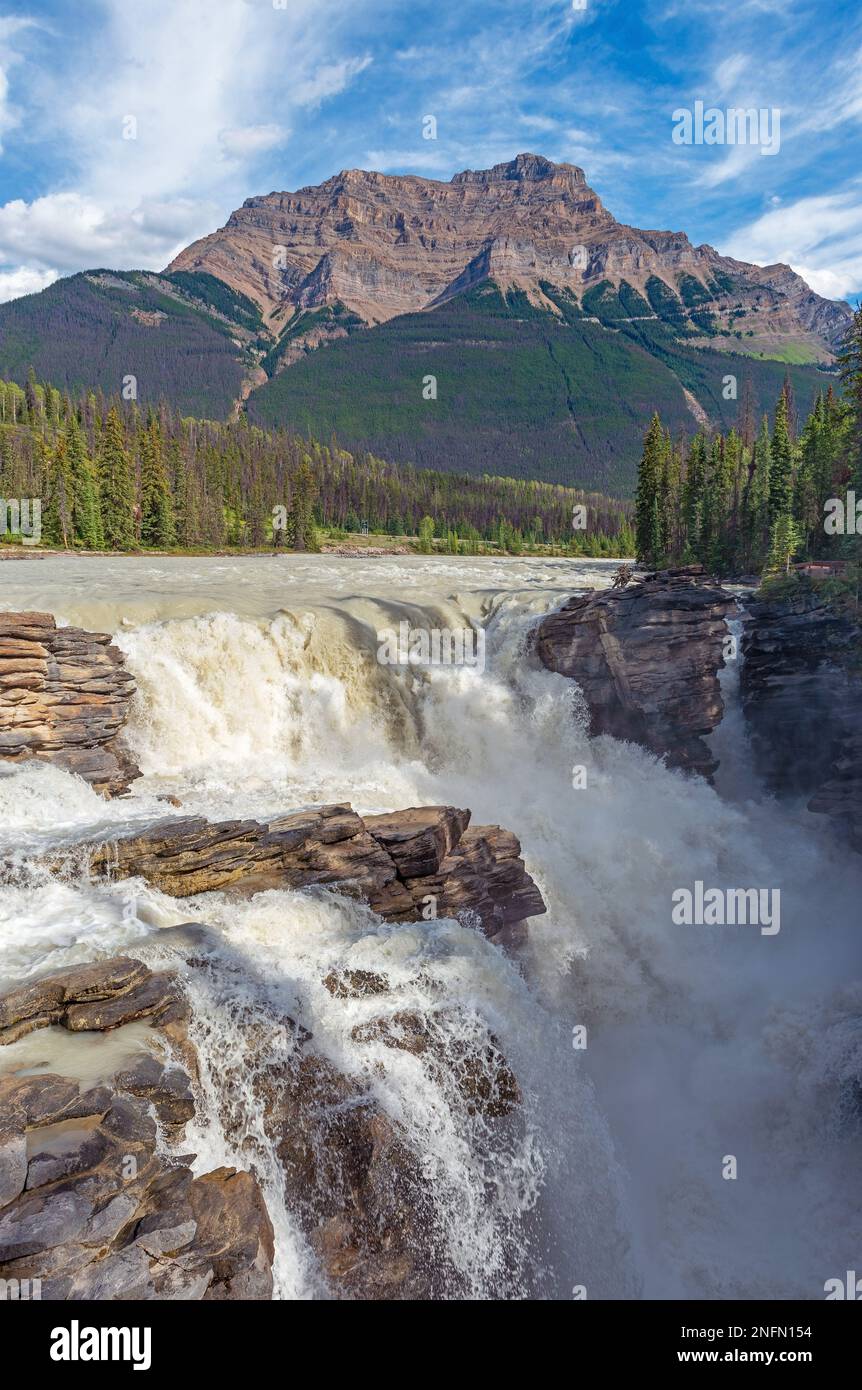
811	491
31	397
157	513
785	540
57	516
693	497
850	364
781	468
648	498
116	489
300	523
86	515
755	506
426	535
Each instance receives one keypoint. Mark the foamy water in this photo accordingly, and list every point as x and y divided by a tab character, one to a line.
258	692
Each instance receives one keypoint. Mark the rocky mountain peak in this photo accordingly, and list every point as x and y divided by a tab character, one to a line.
380	245
524	167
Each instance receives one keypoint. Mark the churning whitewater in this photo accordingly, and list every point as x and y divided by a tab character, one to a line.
260	692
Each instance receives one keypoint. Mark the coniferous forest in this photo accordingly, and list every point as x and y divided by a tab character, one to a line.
763	494
111	476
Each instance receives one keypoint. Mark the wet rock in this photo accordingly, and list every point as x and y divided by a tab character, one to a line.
419	840
103	995
64	697
355	984
94	1206
478	1068
90	1203
647	659
167	1088
394	861
801	689
355	1186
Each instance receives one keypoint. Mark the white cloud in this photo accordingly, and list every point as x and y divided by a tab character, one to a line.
328	81
9	26
820	237
72	231
729	71
190	76
242	141
25	280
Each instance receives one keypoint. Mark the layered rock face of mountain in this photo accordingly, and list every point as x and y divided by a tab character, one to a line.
384	245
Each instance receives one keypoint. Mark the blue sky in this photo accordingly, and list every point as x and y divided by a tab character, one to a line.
237	97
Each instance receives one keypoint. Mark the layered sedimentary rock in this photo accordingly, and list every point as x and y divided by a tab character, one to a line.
387	244
801	687
91	1203
646	658
95	1205
64	697
87	998
407	864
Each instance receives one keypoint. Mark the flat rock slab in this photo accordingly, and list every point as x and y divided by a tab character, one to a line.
407	865
91	998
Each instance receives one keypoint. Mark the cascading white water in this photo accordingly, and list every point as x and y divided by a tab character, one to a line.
703	1041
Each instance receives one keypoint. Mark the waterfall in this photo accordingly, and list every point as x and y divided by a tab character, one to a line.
702	1042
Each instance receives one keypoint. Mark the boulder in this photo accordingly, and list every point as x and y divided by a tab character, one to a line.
91	1206
94	997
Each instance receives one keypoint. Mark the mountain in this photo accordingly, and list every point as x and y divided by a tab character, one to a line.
196	348
552	330
384	245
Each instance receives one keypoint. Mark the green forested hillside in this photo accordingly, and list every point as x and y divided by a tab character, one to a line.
560	393
109	475
91	331
520	390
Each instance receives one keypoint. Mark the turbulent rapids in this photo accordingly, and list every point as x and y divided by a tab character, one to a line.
259	692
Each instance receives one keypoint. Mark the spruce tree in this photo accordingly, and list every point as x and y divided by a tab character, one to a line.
755	507
648	498
693	497
300	522
785	540
116	489
850	364
426	535
157	515
57	516
86	515
781	468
